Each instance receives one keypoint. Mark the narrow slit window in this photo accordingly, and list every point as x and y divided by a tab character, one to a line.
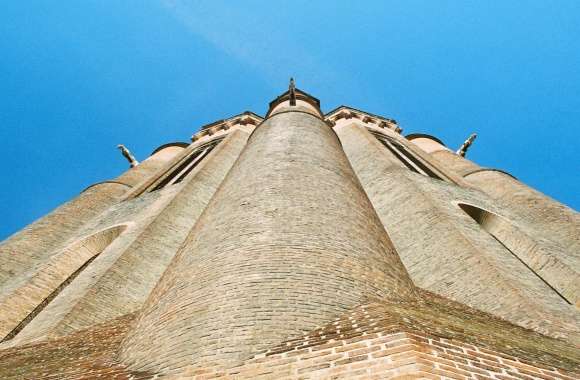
406	157
46	284
519	245
185	167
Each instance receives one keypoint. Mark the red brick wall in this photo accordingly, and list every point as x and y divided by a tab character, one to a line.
400	355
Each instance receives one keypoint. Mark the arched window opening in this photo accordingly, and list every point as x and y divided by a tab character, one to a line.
186	165
50	280
406	157
519	244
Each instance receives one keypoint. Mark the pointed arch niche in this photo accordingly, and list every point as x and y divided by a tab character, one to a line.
23	304
544	263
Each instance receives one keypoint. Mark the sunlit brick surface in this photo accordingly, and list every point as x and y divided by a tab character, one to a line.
302	246
445	251
429	338
288	242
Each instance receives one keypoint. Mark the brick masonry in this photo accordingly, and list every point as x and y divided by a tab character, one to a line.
379	340
444	250
119	283
300	248
269	259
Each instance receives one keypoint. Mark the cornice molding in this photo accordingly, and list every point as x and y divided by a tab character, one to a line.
345	112
210	129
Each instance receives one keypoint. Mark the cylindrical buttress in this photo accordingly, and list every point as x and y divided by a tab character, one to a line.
445	252
288	242
36	243
121	282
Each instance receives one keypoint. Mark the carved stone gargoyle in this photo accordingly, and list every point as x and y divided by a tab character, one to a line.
465	146
127	154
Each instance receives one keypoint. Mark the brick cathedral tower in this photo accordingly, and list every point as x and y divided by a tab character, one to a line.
296	245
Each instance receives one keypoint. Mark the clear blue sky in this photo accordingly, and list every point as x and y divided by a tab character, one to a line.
79	77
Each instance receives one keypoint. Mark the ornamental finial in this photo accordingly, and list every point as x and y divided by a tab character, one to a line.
292	92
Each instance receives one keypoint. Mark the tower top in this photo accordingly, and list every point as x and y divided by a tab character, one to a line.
295	98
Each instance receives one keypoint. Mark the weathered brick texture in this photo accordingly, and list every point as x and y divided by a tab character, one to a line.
289	241
301	247
25	303
443	249
424	338
32	246
551	219
21	253
121	283
548	231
